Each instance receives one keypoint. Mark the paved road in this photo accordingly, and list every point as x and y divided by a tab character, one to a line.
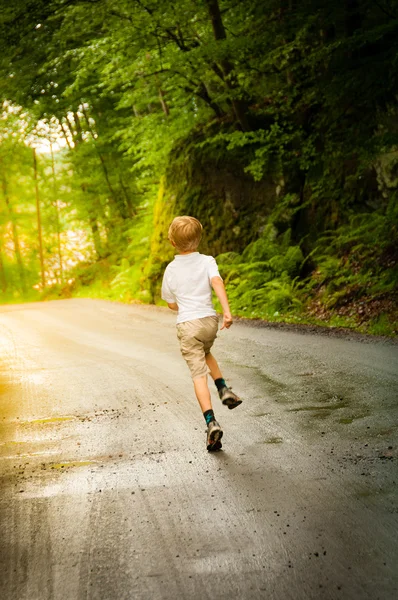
107	491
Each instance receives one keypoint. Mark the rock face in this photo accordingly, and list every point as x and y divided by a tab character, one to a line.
232	207
285	244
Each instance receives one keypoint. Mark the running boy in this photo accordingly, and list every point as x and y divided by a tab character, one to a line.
186	288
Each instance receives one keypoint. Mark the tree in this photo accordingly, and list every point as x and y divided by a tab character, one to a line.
298	92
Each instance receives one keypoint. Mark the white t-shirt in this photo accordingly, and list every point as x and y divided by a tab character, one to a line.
186	281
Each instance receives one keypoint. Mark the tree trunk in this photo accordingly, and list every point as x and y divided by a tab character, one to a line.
239	107
118	202
94	230
353	17
55	202
216	20
203	93
129	203
43	280
3	279
72	134
78	127
65	135
162	100
71	124
96	237
285	8
17	248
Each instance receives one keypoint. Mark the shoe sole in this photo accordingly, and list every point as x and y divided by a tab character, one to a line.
216	447
231	403
215	442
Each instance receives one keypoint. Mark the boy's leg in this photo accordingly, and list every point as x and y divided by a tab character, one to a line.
196	338
214	431
213	366
203	393
227	396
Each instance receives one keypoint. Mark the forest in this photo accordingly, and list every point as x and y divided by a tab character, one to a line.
274	122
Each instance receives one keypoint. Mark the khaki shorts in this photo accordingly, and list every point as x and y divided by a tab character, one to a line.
196	338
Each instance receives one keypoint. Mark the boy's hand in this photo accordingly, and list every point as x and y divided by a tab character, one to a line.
227	321
172	305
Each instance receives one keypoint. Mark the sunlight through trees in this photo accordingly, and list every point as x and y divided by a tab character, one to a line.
257	116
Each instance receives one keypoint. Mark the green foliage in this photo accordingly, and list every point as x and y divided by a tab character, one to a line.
274	123
261	281
382	325
360	253
356	273
130	282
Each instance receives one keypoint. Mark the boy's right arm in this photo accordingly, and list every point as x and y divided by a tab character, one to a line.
167	294
219	288
173	305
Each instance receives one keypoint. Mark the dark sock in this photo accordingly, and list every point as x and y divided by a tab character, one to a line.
220	383
209	416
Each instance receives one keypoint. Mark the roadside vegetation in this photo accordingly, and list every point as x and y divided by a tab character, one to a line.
274	122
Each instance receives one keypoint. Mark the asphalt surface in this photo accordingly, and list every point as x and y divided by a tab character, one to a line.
108	492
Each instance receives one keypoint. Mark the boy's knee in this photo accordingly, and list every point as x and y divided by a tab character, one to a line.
200	380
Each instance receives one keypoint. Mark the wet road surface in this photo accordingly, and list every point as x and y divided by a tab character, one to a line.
107	490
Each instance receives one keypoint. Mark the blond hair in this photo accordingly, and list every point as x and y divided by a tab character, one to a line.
185	232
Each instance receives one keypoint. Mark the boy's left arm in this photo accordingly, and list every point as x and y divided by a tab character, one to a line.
172	305
218	286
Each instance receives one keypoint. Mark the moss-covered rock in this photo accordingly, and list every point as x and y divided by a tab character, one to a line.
281	256
213	187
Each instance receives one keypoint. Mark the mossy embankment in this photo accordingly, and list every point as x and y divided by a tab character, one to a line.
286	252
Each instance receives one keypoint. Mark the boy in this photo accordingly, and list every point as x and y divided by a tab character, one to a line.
186	288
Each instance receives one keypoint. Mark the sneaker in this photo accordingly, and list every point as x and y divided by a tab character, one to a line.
228	398
214	435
